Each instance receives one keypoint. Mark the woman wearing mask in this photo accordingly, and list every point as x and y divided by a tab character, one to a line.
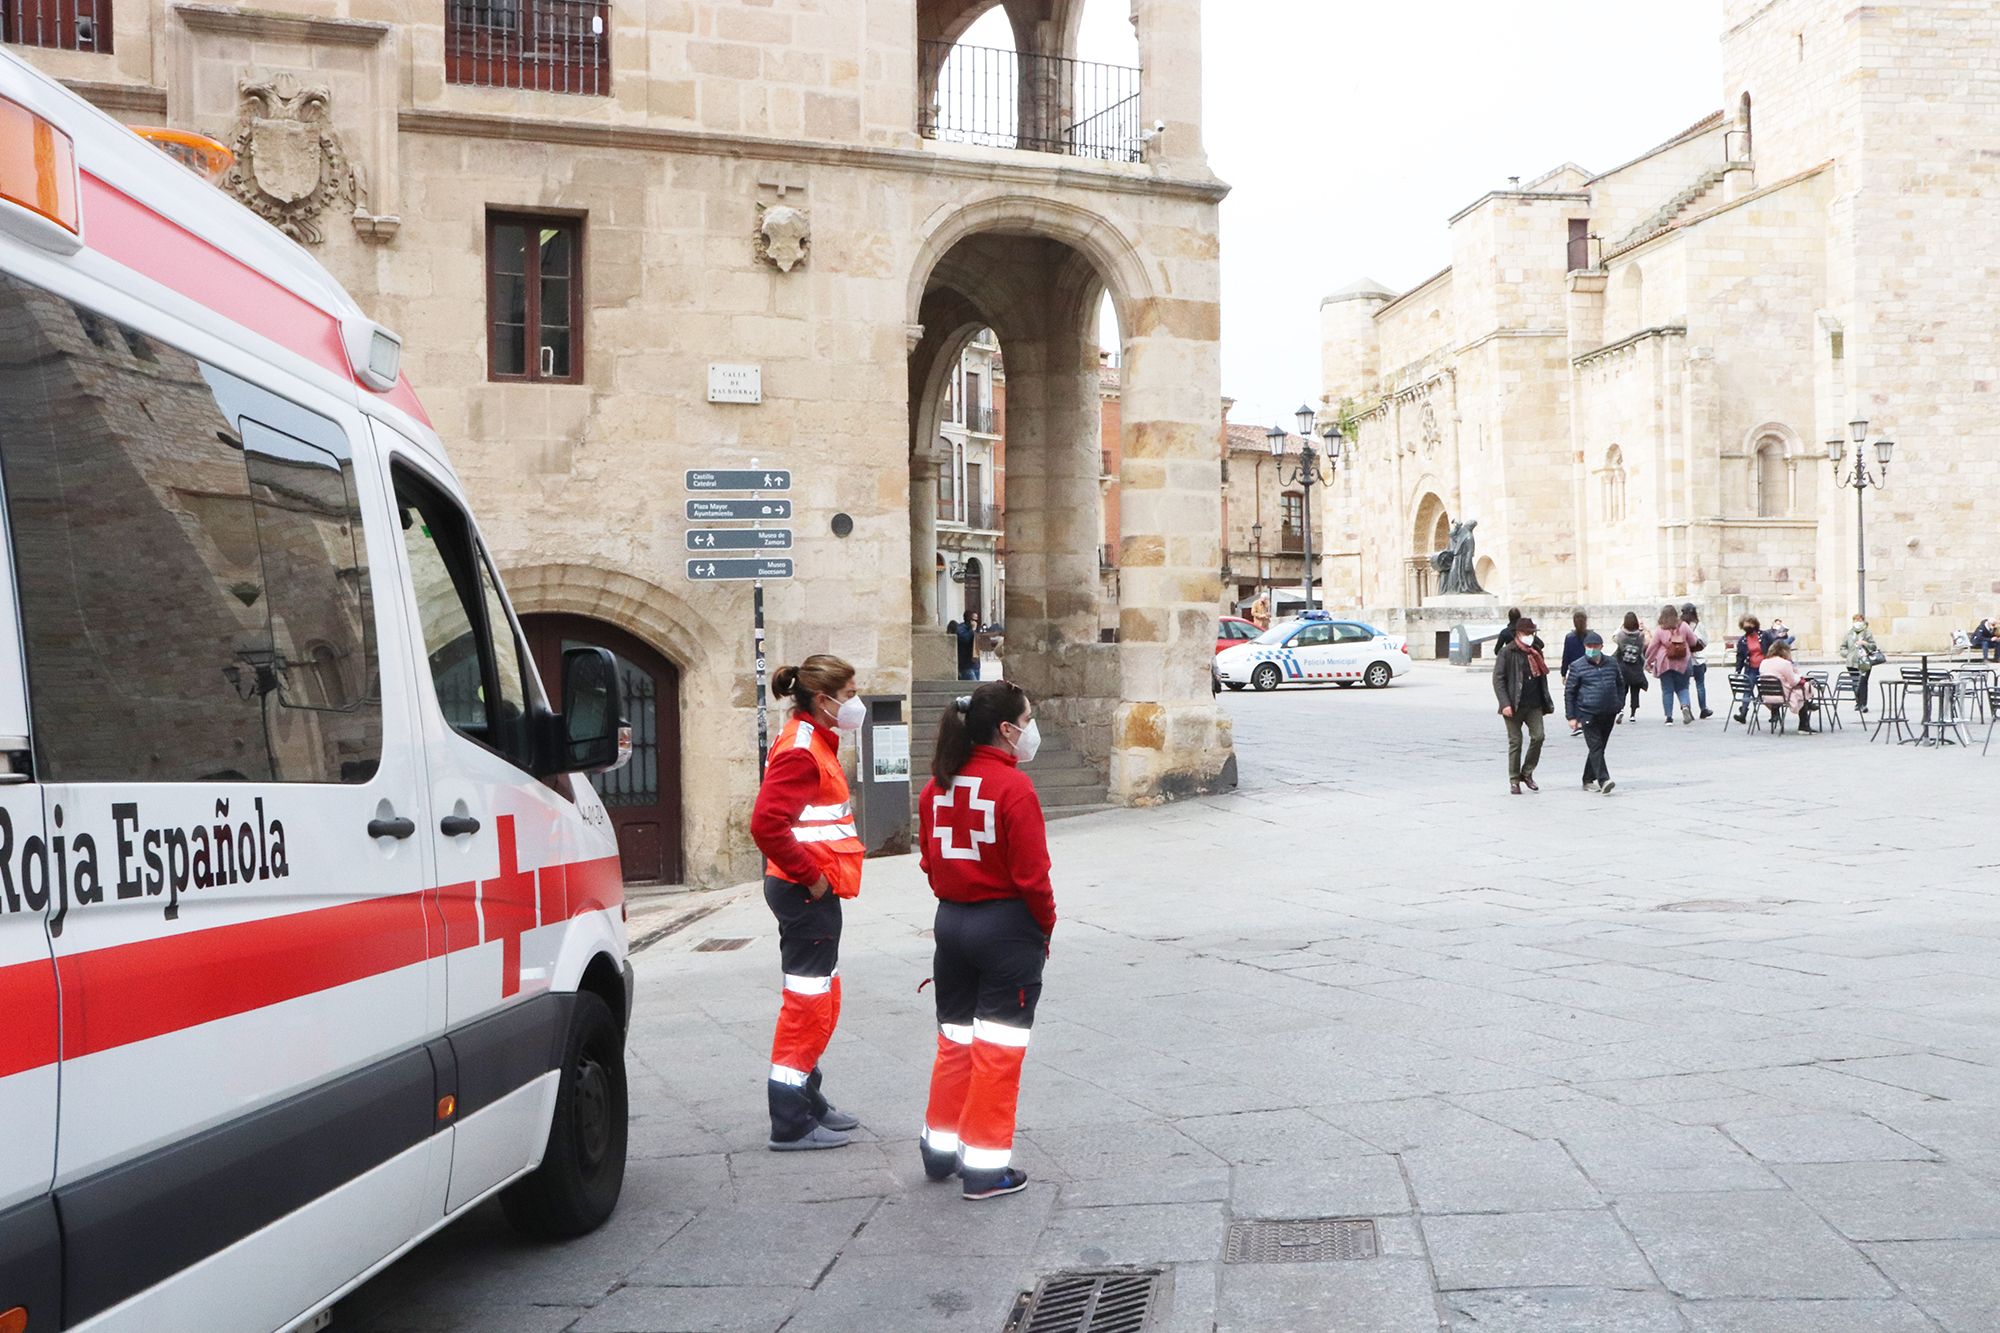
1631	652
804	825
1796	689
1697	668
1668	655
1860	654
983	844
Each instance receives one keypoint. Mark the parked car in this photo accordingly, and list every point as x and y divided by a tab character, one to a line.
1234	630
1314	649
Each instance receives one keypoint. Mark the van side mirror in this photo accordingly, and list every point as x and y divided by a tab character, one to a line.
595	738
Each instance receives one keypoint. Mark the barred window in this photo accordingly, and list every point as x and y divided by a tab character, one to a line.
550	46
64	25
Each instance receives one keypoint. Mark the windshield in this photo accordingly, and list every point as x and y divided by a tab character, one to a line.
1278	633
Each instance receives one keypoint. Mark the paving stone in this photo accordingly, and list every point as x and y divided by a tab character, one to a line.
1823	1138
1372	1296
1805	1317
643	1309
1746	1244
1529	1176
1272	1136
758	1244
1562	1310
908	1294
1666	1157
1570	1249
1899	1200
1132	1234
1340	1187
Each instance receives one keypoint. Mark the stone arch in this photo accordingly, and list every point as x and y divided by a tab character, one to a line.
1774	450
645	610
1113	256
1611	489
1632	297
1426	520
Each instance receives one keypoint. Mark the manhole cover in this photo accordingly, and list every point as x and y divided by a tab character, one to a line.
1097	1300
713	945
1311	1240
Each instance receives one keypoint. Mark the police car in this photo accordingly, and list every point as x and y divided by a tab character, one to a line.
312	931
1314	649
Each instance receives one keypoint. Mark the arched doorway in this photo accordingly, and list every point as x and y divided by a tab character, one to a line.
644	797
975	590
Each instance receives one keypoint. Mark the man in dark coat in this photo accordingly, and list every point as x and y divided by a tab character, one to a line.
1521	684
1592	694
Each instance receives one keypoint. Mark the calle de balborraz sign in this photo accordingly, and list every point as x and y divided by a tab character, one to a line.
40	874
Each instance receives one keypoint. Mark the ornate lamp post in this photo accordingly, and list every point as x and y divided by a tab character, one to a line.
1860	477
1257	547
1307	473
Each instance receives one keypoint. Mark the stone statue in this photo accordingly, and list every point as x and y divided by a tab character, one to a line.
1455	563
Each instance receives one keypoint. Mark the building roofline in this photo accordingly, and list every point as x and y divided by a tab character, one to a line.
1533	196
1682	224
1694	131
1444	272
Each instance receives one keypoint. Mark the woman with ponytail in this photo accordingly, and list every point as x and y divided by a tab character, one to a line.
985	848
804	824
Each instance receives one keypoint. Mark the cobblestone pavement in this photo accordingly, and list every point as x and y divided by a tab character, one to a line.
1716	1052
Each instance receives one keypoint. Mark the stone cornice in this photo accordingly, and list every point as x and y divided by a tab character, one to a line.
1631	340
280	27
529	129
120	98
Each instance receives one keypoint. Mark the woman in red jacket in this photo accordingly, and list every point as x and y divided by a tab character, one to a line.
804	824
985	848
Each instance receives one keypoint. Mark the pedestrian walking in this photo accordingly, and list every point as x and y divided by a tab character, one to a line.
1668	654
1697	664
1751	644
1521	683
1631	654
804	824
1592	693
983	844
1573	641
966	631
1861	655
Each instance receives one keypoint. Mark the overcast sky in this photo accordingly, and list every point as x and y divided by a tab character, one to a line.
1351	130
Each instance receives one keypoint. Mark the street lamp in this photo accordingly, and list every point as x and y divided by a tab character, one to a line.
1307	473
1257	545
1860	478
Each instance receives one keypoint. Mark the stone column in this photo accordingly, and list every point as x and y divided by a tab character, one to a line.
1170	81
923	540
1168	738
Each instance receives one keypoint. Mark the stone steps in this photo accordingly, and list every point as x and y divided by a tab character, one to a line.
1067	782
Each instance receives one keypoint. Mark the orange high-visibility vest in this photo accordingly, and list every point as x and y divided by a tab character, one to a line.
825	827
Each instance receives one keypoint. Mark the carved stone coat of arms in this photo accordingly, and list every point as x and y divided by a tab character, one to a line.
784	235
290	163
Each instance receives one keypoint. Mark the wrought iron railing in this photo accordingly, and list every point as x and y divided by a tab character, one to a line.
981	420
550	46
978	517
1045	104
65	25
1291	540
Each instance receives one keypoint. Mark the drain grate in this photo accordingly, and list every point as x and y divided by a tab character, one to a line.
1095	1300
1311	1240
720	945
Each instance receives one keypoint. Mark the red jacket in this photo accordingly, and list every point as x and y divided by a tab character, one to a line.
985	839
803	821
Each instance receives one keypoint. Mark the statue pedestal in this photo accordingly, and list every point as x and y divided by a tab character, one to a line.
1464	601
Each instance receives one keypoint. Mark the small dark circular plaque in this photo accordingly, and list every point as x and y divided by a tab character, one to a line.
842	524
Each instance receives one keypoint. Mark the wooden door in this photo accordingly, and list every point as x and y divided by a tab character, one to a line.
644	797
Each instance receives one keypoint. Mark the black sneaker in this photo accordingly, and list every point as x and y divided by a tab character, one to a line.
1707	713
938	1165
993	1184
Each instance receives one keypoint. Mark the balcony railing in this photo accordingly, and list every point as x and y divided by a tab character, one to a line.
1045	104
982	420
1292	541
550	46
63	25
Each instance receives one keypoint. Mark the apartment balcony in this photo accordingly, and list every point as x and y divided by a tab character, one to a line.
982	421
1041	104
972	517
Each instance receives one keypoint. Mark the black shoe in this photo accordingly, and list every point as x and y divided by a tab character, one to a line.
1529	783
1707	713
993	1184
938	1165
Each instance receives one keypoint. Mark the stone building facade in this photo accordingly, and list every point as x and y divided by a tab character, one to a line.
1263	519
1629	377
783	186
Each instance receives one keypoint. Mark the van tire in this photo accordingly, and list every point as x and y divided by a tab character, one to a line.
583	1167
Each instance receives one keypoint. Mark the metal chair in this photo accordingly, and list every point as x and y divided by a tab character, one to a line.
1944	718
1771	695
1825	702
1739	701
1992	718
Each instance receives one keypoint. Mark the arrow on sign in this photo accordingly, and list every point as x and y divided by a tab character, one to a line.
719	571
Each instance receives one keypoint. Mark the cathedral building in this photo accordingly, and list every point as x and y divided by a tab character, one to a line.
1654	383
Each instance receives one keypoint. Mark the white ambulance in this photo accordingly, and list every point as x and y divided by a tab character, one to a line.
311	928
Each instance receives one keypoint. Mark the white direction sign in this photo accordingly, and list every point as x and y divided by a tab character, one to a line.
739	479
719	571
738	511
739	539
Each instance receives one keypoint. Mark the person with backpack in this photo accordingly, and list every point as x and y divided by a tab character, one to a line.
1698	668
1669	654
1631	654
1521	684
1751	645
1592	693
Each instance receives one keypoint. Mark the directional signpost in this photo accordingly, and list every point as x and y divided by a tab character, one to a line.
707	567
739	539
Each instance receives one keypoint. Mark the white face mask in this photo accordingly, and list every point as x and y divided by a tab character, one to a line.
1029	742
851	715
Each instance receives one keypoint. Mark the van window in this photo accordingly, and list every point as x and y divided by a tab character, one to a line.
476	660
194	596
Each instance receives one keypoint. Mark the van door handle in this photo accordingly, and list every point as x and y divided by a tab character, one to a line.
391	828
457	826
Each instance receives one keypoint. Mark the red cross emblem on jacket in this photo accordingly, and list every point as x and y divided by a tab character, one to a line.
961	811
